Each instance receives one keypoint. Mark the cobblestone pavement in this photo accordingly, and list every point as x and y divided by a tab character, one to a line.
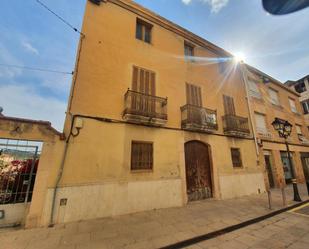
153	229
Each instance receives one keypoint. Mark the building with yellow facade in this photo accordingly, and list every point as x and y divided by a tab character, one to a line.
270	99
158	117
151	123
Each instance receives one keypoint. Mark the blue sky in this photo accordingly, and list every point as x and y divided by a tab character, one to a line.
31	36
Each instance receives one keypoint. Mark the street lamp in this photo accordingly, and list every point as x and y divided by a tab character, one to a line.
284	129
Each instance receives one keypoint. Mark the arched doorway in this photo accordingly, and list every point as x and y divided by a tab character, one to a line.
198	173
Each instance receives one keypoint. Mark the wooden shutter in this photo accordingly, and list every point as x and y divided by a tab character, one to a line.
135	79
260	122
194	95
143	81
229	107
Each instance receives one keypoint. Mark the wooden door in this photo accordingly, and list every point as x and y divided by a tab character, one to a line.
198	173
143	83
305	164
269	171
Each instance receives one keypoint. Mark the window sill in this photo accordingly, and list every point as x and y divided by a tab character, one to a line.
134	171
278	106
144	42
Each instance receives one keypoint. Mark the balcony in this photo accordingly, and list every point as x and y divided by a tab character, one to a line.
198	118
235	125
303	139
145	109
264	133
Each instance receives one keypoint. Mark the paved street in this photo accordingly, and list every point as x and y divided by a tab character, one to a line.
157	228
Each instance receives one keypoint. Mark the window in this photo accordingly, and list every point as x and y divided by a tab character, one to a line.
194	95
144	81
274	99
292	105
254	89
298	129
189	51
236	158
305	105
141	155
222	66
229	108
300	87
143	31
260	123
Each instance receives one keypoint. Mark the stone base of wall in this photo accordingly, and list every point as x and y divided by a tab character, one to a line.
110	199
14	214
237	185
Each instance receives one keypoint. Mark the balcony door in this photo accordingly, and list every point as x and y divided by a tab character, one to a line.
198	172
143	83
194	101
229	107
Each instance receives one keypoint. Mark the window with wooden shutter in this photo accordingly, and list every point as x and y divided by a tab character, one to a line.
194	95
293	105
305	105
229	107
189	51
254	89
260	122
143	30
236	157
274	99
298	129
141	155
143	81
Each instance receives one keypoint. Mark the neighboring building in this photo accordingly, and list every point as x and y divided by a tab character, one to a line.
152	127
302	87
271	99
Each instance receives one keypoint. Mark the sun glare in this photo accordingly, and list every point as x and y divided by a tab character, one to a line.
239	57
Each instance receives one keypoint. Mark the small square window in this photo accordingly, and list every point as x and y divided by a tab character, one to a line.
141	155
236	157
143	31
189	51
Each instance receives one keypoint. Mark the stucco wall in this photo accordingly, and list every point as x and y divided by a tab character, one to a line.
50	157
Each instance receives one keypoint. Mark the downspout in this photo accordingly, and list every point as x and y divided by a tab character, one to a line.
245	79
59	176
60	172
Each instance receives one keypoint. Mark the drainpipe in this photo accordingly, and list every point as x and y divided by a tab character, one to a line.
243	70
59	176
60	172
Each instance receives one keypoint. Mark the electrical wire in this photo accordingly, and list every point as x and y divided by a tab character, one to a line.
59	17
35	69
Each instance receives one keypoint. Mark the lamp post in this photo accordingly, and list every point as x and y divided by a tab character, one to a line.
284	129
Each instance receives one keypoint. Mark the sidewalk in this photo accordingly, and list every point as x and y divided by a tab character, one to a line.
151	229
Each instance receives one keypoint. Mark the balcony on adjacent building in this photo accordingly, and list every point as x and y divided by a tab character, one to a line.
144	108
264	133
198	118
235	125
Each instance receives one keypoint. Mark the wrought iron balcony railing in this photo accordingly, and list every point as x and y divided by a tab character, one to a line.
144	108
198	118
236	125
